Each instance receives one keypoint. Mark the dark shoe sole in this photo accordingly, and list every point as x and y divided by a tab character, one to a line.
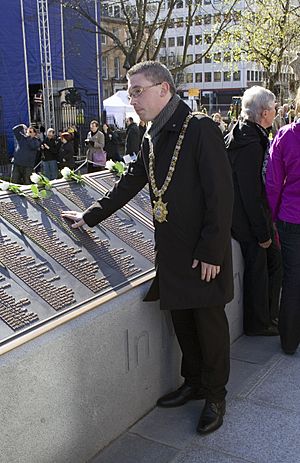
204	432
174	405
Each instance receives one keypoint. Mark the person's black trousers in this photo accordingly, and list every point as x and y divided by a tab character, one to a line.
203	336
289	316
262	285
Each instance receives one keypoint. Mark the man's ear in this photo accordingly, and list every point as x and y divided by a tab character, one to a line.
165	88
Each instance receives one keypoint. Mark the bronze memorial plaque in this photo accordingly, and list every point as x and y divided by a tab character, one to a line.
47	268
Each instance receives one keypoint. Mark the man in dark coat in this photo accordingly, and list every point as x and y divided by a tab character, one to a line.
183	159
133	139
25	153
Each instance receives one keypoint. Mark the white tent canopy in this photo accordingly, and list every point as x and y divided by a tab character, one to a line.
117	107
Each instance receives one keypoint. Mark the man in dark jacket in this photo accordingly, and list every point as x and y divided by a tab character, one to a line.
183	159
133	139
247	146
25	153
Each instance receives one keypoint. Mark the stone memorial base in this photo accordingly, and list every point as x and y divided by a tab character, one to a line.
69	392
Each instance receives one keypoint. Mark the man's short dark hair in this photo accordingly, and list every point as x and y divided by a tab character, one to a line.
33	129
153	71
130	119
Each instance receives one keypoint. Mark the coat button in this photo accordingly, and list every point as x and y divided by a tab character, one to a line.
174	125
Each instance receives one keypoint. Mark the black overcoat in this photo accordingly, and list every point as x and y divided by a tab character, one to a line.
200	201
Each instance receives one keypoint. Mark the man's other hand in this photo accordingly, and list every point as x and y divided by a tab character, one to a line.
74	215
208	271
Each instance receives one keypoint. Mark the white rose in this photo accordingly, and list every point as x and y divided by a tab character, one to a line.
4	186
109	164
35	178
65	172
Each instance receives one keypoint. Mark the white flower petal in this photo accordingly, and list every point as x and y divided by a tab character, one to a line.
109	164
4	186
65	172
35	178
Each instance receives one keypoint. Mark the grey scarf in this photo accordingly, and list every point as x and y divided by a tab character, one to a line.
160	121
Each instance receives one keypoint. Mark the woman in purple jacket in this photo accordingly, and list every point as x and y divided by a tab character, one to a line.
283	192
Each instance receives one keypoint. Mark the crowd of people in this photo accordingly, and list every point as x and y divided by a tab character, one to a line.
208	182
38	149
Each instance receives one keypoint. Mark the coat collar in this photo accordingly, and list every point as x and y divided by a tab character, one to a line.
174	124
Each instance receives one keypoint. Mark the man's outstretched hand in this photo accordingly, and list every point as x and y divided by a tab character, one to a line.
208	271
74	215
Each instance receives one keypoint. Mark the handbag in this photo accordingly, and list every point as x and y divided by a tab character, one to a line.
99	157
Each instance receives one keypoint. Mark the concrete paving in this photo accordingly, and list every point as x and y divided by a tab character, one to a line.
262	423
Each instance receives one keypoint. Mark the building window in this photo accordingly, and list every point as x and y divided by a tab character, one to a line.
226	76
217	57
104	67
171	59
171	41
207	19
217	18
189	78
198	20
163	59
217	76
248	75
198	77
198	39
180	41
207	59
207	38
237	75
180	78
117	67
189	58
171	23
164	43
179	22
103	39
198	58
207	2
179	4
207	76
190	40
117	11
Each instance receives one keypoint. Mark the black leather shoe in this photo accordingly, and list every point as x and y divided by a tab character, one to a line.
181	396
211	417
270	331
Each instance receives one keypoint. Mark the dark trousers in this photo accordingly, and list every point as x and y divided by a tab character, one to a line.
289	316
203	336
93	168
262	285
21	174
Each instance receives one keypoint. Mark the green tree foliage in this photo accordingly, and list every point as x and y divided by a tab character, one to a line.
266	31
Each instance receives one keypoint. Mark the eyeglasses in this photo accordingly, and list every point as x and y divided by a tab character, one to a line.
136	92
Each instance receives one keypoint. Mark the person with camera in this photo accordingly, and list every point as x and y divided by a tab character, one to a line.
26	150
50	151
95	154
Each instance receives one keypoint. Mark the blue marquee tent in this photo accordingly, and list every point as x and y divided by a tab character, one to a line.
20	56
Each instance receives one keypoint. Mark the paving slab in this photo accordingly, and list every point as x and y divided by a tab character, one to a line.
170	426
255	432
278	385
204	455
240	372
255	349
134	449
